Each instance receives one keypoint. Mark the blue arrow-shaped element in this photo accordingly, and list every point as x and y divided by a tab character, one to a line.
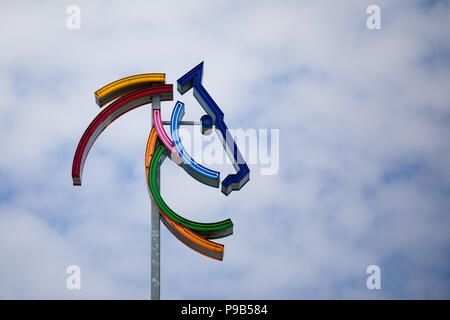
193	79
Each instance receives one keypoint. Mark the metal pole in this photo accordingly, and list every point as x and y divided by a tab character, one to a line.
156	240
186	123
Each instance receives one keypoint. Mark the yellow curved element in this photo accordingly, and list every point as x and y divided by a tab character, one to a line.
123	86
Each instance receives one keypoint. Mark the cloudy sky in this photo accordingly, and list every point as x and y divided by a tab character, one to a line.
364	158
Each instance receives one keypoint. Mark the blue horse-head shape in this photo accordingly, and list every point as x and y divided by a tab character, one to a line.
193	79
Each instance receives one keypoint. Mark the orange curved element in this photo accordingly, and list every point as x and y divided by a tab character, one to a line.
151	143
194	241
188	237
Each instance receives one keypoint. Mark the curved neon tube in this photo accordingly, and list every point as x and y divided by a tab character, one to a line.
151	143
188	237
197	171
120	87
162	132
207	230
194	241
108	115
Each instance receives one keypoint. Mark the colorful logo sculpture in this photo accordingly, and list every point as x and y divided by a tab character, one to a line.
135	91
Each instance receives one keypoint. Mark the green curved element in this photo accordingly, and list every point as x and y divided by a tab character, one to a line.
208	230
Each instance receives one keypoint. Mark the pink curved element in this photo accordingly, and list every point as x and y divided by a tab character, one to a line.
162	133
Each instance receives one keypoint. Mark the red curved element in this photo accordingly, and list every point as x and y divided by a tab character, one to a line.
108	115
